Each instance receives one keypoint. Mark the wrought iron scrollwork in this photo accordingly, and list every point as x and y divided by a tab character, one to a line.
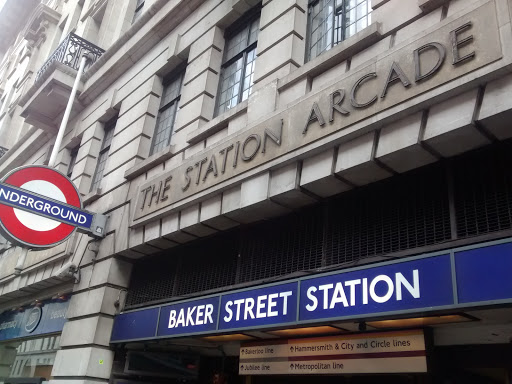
69	53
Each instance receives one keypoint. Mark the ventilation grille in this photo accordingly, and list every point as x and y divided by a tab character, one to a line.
400	213
152	280
483	191
283	246
208	265
197	267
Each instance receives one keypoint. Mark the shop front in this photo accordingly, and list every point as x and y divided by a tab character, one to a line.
29	340
442	317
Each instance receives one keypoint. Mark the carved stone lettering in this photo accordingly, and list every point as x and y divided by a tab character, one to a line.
212	168
395	74
335	100
314	115
470	42
248	154
167	186
188	179
441	55
356	86
456	44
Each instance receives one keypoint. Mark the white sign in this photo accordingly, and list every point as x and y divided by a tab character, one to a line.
396	352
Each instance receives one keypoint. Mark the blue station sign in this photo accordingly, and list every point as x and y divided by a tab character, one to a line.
421	283
457	278
45	318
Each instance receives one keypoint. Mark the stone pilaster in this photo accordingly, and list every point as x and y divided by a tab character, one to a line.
281	41
85	355
197	104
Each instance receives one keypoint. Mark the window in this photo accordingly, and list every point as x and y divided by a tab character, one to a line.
167	112
332	21
138	10
72	161
30	359
102	158
237	72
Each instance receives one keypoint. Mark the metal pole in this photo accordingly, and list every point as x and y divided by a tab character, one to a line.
67	112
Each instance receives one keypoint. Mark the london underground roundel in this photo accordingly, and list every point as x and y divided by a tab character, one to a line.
45	188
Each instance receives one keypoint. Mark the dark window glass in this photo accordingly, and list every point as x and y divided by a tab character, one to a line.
332	21
167	113
102	158
237	73
72	162
138	10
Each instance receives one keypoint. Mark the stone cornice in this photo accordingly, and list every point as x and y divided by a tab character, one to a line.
39	21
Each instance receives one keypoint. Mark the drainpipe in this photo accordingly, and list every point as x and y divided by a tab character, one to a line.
67	112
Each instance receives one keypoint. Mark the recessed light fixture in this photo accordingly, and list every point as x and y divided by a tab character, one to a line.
232	337
307	331
419	321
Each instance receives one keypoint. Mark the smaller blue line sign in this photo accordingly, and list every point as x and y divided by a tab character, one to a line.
48	317
135	325
44	206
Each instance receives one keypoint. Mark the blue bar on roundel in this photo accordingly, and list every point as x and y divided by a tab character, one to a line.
40	205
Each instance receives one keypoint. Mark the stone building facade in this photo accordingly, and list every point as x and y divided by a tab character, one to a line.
234	143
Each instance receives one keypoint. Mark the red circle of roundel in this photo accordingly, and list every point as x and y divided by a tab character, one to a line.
26	235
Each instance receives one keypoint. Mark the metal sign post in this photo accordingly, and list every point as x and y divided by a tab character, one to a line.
67	113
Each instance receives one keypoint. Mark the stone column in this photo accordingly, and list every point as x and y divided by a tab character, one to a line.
86	158
197	104
85	355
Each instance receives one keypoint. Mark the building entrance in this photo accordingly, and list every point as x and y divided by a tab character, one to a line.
356	379
457	376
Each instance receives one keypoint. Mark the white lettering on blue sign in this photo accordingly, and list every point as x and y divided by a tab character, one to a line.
60	314
334	294
185	316
8	324
42	206
262	306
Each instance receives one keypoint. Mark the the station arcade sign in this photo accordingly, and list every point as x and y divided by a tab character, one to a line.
459	46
